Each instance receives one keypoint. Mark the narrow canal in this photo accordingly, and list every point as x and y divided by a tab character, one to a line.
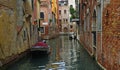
65	55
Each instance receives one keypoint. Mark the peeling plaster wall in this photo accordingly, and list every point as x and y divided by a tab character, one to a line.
14	29
7	30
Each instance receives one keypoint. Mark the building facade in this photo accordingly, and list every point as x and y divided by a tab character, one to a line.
54	26
46	18
64	15
35	20
99	31
18	28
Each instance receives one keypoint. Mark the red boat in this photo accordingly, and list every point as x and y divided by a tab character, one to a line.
40	46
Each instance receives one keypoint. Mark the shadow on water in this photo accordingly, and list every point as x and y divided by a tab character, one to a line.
39	60
38	54
36	61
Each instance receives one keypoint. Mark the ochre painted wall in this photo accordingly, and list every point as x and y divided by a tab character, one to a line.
12	40
7	30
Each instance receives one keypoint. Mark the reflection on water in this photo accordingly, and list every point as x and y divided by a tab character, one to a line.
65	55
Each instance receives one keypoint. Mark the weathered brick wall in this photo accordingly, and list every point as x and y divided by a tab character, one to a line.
86	35
108	51
111	36
99	47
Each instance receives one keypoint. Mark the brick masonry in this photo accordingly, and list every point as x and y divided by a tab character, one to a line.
107	40
111	36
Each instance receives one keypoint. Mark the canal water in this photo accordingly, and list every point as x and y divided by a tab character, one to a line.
65	54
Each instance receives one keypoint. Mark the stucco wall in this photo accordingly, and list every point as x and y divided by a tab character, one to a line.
7	30
14	30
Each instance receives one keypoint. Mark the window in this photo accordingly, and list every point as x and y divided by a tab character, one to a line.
88	23
66	20
62	1
59	11
64	11
99	17
71	26
60	21
94	38
24	35
59	4
32	4
42	15
42	29
85	24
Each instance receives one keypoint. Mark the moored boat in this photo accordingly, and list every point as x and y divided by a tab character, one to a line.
40	47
